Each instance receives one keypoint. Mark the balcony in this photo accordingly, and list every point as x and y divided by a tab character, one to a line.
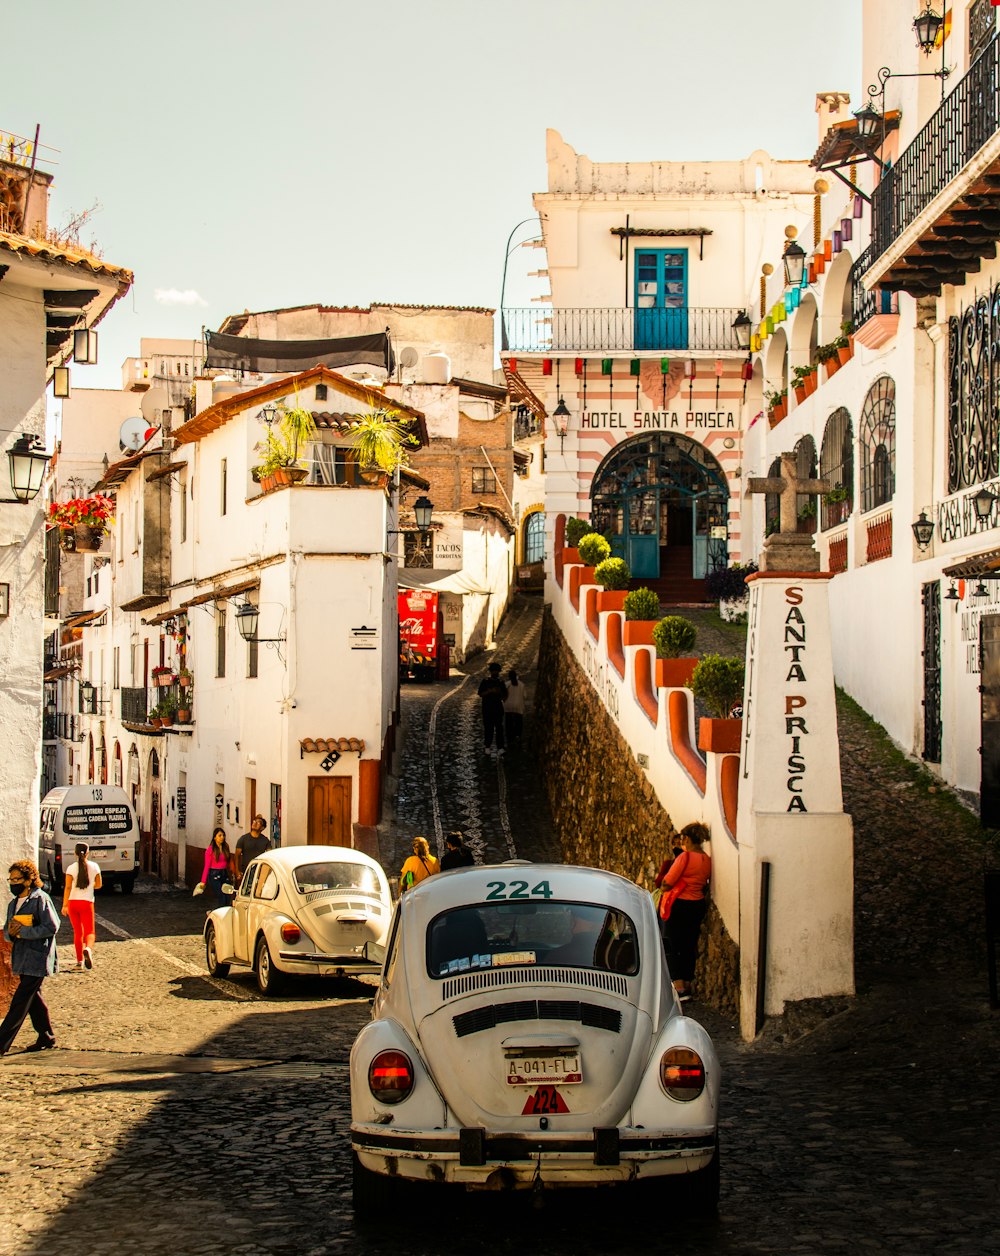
936	212
545	329
134	706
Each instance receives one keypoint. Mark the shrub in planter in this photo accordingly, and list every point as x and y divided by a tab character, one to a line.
718	683
674	637
728	584
612	573
575	529
642	604
593	549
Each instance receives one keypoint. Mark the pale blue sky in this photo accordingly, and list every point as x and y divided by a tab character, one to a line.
263	154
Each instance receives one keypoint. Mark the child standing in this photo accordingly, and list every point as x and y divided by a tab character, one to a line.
79	885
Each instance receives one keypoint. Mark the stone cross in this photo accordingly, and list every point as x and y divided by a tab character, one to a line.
788	549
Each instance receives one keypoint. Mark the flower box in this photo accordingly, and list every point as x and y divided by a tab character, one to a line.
164	680
570	555
720	736
674	673
638	631
611	600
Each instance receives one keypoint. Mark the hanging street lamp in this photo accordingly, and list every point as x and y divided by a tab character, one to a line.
923	530
28	461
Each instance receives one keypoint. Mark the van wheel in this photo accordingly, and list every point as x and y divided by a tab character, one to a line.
215	969
270	980
127	884
373	1194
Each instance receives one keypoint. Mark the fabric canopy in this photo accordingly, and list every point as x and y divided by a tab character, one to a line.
272	356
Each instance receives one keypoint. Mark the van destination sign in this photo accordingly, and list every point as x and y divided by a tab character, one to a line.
656	420
97	821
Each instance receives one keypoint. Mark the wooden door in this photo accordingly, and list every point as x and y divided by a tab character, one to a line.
329	811
989	653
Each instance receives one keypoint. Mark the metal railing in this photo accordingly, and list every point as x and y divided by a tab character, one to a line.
879	536
135	705
939	152
546	329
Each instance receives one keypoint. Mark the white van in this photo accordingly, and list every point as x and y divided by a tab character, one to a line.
101	816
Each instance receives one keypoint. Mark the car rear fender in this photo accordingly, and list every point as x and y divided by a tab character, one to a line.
423	1109
221	920
653	1107
269	927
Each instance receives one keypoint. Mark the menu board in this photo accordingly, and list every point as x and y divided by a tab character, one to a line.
97	820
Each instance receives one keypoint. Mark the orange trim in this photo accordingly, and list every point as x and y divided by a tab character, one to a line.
611	600
791	576
571	554
720	736
590	612
729	786
679	735
615	652
369	791
559	567
560	534
674	673
639	631
578	576
644	690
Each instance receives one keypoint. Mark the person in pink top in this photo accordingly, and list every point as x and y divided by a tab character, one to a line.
218	858
685	881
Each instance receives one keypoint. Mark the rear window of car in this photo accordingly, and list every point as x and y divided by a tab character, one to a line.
563	934
313	878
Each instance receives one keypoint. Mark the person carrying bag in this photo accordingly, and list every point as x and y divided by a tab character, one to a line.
683	904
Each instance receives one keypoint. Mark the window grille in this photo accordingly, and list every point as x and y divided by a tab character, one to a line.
836	464
877	442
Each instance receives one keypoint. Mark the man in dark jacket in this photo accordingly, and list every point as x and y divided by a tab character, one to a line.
493	694
458	854
33	957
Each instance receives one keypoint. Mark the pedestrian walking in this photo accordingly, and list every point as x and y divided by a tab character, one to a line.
493	694
79	883
216	873
513	709
31	926
683	905
250	845
458	854
419	866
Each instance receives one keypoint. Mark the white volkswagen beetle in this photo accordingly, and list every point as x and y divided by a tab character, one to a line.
526	1034
309	910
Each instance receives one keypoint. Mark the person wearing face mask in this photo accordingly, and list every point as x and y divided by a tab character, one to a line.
31	926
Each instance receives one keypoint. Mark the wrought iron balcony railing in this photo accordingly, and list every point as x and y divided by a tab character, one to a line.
547	329
940	152
135	705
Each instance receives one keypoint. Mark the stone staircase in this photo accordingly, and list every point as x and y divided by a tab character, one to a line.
675	586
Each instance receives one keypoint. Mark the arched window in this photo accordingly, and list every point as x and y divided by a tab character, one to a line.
836	464
877	441
805	469
534	537
772	502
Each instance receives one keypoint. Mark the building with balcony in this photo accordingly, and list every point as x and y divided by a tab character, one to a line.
897	411
650	265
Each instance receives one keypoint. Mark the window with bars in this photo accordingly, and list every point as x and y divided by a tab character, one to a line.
836	464
220	638
534	538
877	444
418	549
483	481
974	393
806	465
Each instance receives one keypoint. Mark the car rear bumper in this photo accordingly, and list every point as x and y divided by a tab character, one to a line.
325	965
498	1160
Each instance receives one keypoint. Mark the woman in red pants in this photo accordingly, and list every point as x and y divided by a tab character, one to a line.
81	880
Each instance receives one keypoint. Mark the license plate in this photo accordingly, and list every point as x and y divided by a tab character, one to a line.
551	1070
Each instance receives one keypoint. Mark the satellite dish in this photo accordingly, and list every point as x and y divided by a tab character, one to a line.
408	356
132	434
152	405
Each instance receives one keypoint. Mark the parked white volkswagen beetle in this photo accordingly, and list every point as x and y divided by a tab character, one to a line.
309	910
526	1033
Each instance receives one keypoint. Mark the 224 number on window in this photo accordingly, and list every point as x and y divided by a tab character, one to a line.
517	889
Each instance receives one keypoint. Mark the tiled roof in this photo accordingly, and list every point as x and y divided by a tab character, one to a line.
323	745
221	593
57	673
118	472
64	254
520	391
83	617
215	416
144	602
840	143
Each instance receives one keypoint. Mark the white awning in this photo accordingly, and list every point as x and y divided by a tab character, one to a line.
442	582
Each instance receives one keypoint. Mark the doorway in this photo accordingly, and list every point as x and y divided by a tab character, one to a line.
989	788
661	320
329	811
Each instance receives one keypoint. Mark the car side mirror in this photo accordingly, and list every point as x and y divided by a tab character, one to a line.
375	953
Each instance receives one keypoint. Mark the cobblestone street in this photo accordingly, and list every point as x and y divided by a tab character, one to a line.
182	1114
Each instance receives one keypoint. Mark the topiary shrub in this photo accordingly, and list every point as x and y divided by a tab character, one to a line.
674	637
593	549
728	584
613	573
575	529
718	683
642	604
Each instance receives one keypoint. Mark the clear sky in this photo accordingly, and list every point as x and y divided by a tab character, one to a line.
253	154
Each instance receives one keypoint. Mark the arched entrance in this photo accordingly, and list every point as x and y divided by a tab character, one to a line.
663	502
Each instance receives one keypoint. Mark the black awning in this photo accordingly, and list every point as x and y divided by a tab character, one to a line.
244	353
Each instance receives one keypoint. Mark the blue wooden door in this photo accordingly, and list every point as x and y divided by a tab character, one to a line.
661	313
643	533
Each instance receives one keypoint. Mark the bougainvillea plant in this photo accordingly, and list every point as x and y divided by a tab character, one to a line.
83	512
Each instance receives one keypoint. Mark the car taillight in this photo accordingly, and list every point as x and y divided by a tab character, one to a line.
682	1074
390	1076
290	933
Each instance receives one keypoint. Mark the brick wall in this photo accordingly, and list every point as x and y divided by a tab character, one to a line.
448	464
604	809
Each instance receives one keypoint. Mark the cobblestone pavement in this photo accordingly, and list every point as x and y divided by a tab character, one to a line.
184	1115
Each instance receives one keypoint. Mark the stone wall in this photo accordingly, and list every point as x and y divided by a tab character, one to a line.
603	807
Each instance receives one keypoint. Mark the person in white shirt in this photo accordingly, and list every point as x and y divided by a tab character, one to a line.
81	880
513	709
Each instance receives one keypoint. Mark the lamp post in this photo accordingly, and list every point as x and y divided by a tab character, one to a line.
247	619
504	341
28	461
983	503
742	325
794	260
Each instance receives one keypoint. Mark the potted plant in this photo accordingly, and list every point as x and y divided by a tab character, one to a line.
717	683
613	576
826	355
728	584
674	638
837	501
593	549
154	716
575	530
382	438
184	678
82	520
799	374
281	450
168	710
846	340
806	517
812	379
777	404
642	608
162	677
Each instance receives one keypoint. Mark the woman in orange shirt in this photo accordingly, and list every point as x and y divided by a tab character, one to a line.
685	882
420	865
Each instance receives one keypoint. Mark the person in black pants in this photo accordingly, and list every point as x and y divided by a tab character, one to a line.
493	694
31	926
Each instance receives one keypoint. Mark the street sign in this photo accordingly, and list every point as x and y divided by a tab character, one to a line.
363	638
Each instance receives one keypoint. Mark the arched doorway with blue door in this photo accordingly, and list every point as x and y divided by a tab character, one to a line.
662	500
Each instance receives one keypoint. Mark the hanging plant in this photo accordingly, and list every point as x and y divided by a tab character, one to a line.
96	512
